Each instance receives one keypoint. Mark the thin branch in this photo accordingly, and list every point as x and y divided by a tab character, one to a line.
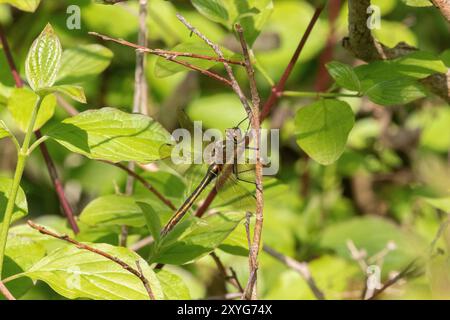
138	273
66	208
234	84
444	7
256	127
363	45
7	50
301	267
6	293
170	56
133	173
279	88
232	279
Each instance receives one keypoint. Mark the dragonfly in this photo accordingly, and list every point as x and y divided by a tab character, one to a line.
226	172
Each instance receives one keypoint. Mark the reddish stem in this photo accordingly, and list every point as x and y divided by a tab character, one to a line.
48	160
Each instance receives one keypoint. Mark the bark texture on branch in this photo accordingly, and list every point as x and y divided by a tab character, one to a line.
365	47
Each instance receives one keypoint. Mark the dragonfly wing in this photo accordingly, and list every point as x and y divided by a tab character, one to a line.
233	193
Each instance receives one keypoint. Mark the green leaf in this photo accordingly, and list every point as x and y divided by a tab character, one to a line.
76	273
165	68
43	60
440	203
344	76
173	286
252	15
21	207
21	104
197	239
113	135
418	3
74	92
392	92
214	10
4	131
25	5
113	210
152	219
5	93
85	61
323	128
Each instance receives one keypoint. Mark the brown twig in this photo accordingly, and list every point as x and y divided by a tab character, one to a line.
6	293
138	273
444	7
233	82
301	267
411	268
232	279
256	127
130	172
67	210
279	88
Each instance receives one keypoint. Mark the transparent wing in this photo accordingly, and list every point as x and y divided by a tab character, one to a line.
234	193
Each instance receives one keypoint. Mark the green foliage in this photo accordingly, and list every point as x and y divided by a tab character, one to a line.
25	5
173	286
388	162
344	76
195	238
83	62
323	128
4	131
389	82
113	210
113	135
251	14
374	234
21	104
43	60
21	206
152	219
165	68
76	273
418	3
